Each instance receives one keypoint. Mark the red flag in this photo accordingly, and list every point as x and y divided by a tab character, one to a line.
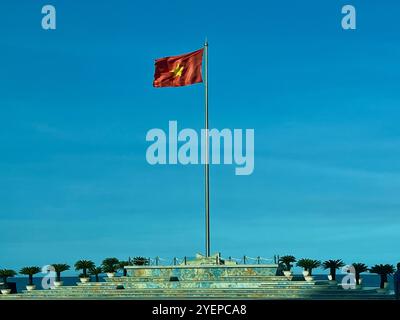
178	71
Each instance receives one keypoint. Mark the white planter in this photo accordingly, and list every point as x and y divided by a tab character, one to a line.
309	278
111	274
58	283
287	273
30	287
84	280
386	285
331	281
5	291
306	273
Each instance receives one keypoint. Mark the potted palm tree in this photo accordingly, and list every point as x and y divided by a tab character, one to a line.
358	269
287	264
58	268
110	266
4	274
140	261
332	265
122	265
30	272
383	270
84	265
95	271
308	265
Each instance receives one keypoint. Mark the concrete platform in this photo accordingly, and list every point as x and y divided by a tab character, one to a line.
203	281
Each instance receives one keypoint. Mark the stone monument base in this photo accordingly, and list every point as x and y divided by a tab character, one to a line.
203	278
202	269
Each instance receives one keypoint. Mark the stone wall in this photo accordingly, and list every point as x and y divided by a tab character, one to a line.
202	272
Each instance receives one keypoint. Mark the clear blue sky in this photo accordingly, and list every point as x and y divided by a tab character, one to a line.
76	104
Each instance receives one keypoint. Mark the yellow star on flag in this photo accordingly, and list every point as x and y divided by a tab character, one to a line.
177	71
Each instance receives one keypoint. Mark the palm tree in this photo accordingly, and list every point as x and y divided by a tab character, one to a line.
121	266
84	265
58	268
30	271
308	264
358	269
333	265
95	271
110	265
287	262
140	261
7	273
383	270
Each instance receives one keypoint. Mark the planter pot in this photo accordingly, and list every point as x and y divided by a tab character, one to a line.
331	281
306	273
385	288
5	291
84	280
111	274
287	274
309	278
30	287
58	283
386	285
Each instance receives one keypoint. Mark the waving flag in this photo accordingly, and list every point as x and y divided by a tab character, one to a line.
178	71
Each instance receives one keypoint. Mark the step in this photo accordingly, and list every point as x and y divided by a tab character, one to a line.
214	292
222	278
205	296
178	285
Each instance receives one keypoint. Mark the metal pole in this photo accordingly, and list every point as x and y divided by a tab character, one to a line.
206	166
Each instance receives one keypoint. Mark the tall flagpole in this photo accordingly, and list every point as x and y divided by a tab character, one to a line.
206	165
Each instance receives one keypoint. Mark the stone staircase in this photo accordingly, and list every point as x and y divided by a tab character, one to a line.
230	287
